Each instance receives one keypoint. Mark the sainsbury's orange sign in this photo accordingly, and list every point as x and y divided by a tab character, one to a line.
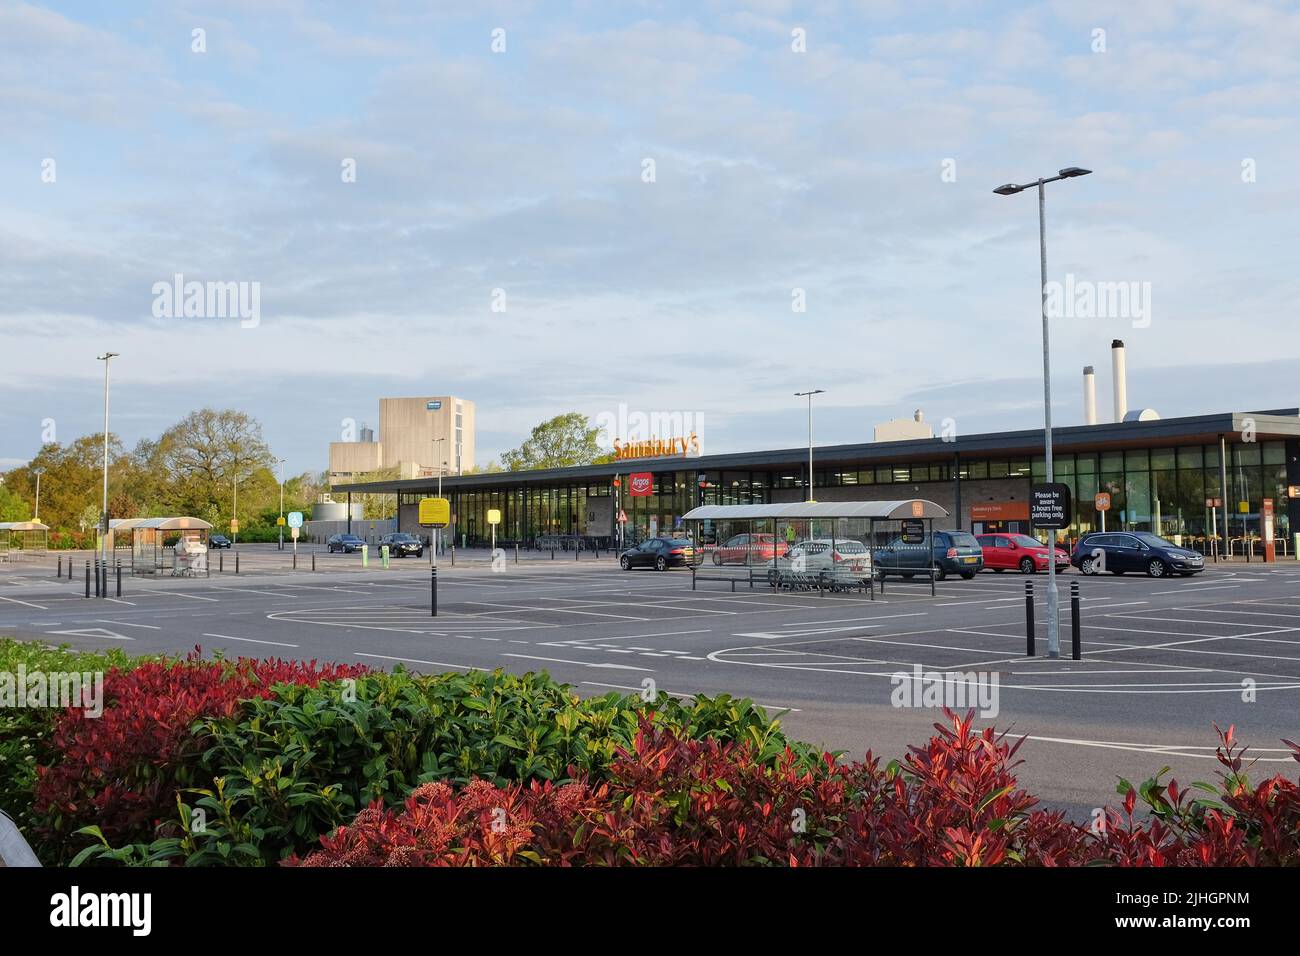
676	447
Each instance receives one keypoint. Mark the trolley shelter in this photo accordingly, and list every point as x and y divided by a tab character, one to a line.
154	542
834	543
19	538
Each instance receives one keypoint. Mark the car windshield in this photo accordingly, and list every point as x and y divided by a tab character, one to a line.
402	537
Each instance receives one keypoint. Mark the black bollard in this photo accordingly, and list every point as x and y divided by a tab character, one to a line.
60	573
97	594
1075	626
313	561
87	579
104	571
221	561
236	562
433	591
516	552
1029	618
119	579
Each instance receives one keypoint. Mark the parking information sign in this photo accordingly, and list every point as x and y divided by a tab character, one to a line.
295	519
913	531
1049	505
435	512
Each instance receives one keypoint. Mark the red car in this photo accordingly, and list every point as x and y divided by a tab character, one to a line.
1018	552
749	549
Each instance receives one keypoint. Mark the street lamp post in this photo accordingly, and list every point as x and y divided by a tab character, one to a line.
1053	595
281	523
103	519
809	395
442	465
38	472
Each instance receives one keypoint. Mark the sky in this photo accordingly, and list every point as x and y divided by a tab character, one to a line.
695	208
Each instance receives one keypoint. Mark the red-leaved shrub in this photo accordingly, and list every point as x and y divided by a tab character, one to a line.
121	770
953	802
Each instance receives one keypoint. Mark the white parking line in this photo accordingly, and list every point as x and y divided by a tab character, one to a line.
248	640
558	660
412	660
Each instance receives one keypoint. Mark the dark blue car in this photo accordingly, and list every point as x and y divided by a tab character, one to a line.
1120	552
950	552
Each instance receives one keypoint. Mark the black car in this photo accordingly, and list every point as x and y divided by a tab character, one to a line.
1141	551
218	541
950	552
660	554
401	544
347	543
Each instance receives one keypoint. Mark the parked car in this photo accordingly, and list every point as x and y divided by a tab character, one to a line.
842	557
749	549
218	541
659	553
400	544
347	543
951	552
1018	552
1122	551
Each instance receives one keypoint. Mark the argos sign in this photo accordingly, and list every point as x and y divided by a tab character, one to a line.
641	484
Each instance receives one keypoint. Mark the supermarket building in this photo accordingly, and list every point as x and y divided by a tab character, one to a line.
1167	476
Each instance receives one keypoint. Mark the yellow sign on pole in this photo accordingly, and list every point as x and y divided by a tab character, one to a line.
234	526
280	520
435	512
494	516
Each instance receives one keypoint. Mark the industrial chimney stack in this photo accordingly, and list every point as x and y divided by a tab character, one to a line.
1089	396
1120	378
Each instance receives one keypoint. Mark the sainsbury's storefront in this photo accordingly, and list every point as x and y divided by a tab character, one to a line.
1159	476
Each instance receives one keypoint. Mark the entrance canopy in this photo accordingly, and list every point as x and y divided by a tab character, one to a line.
877	510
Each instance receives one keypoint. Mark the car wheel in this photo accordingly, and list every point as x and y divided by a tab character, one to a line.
773	578
1157	568
967	575
908	575
997	570
661	563
625	563
1088	566
1026	566
940	574
717	557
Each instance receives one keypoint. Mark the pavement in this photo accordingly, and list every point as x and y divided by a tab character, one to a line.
1162	660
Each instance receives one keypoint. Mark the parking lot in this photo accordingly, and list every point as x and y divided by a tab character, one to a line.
1162	660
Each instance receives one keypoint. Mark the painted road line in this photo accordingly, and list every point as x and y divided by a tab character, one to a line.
851	620
249	640
1185	589
39	607
633	637
152	627
558	660
412	660
673	693
96	632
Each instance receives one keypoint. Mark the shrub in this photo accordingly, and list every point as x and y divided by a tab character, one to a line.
672	801
25	732
122	769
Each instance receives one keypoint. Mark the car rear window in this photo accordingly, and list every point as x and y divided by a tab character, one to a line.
961	539
679	543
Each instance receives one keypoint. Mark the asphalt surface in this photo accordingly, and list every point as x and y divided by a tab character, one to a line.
1163	660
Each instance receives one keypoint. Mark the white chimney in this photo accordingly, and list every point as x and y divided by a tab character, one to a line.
1120	376
918	415
1089	396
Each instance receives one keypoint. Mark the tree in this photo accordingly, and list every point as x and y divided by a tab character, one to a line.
200	457
12	506
565	440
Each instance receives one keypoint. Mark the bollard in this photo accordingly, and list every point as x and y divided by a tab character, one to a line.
104	570
119	579
453	555
433	591
221	561
60	574
313	560
1075	626
87	579
97	577
516	552
552	553
1029	618
295	560
577	550
236	562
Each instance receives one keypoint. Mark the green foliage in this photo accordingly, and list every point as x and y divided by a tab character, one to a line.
301	763
25	731
565	440
13	507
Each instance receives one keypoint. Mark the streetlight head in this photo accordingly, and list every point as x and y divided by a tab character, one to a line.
1010	189
1071	171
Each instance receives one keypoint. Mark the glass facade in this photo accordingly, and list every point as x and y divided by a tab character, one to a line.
1162	490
